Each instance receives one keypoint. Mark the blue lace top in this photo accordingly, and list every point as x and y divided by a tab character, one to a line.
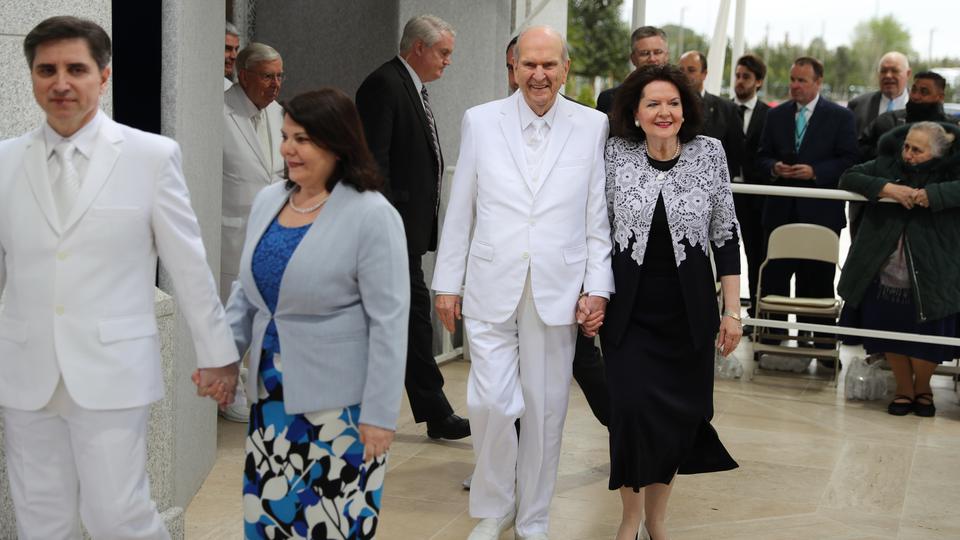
270	259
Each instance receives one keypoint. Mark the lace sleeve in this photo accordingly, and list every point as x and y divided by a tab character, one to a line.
724	228
611	174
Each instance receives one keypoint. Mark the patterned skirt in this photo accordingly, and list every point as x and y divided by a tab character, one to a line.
304	475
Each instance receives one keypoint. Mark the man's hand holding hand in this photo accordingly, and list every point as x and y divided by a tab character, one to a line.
219	384
590	314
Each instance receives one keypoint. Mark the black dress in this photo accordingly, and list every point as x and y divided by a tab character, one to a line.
660	376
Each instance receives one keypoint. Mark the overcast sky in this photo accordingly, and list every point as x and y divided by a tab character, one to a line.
807	19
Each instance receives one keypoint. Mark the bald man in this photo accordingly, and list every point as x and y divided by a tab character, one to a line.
893	74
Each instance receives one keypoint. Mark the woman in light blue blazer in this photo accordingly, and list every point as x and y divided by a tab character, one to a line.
321	304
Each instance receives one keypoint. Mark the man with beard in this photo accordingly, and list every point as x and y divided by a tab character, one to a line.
752	112
925	104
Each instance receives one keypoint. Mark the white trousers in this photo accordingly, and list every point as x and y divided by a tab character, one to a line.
520	368
63	459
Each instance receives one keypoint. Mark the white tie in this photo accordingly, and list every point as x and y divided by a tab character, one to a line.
67	185
263	133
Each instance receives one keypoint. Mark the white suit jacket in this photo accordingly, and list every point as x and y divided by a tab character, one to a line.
245	173
555	225
79	295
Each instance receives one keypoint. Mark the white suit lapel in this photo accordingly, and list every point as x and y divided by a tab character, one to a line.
105	154
510	126
240	111
559	133
35	167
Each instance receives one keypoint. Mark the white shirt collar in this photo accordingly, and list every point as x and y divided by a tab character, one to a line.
812	105
899	102
527	115
413	75
750	104
84	139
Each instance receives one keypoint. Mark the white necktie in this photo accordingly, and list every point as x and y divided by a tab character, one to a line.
67	185
263	133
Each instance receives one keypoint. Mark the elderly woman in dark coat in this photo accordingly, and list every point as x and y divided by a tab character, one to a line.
903	272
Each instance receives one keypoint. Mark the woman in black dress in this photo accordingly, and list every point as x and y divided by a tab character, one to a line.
668	191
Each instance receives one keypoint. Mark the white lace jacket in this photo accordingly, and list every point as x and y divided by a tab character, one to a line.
696	195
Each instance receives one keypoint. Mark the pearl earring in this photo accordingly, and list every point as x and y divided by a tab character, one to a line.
636	122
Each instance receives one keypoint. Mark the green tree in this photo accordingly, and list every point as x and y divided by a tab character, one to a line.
873	38
599	41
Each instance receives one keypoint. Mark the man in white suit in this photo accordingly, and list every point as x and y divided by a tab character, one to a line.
251	160
529	184
86	207
251	148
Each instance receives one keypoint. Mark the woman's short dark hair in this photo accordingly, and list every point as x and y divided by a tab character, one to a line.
67	27
628	97
331	120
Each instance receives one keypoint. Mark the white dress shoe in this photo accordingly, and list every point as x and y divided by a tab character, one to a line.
643	534
534	536
490	528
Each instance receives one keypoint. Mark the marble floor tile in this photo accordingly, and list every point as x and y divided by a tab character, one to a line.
812	466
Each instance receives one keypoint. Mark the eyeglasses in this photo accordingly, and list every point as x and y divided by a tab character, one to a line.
649	53
267	77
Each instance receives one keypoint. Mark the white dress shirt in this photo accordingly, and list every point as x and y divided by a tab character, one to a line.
417	83
899	102
750	105
535	147
84	140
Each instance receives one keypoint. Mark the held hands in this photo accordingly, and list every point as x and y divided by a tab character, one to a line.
730	333
590	313
448	308
795	172
219	384
376	441
908	197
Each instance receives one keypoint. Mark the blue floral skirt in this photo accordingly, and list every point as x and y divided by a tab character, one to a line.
304	475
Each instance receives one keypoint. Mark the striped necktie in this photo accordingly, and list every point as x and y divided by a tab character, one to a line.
434	141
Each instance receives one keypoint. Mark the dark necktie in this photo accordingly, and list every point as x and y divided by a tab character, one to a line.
434	141
741	111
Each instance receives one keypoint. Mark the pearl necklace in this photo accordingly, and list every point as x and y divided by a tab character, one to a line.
308	210
676	153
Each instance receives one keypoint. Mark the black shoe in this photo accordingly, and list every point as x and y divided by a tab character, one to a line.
924	409
900	409
451	428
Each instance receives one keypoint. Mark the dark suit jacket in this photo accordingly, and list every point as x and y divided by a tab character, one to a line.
399	137
829	146
753	173
865	108
721	121
605	99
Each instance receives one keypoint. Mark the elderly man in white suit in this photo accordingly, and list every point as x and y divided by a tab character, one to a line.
251	148
86	207
529	185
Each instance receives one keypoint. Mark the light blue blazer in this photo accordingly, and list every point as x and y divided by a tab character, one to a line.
343	308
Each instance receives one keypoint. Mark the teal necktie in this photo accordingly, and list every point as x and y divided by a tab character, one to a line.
801	127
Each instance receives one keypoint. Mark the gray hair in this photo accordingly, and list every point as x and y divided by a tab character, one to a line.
564	50
940	140
231	29
426	28
895	55
256	53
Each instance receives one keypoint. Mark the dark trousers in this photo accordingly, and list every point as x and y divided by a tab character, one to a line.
590	374
813	279
754	239
423	380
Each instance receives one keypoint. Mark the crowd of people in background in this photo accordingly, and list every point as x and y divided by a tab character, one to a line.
563	224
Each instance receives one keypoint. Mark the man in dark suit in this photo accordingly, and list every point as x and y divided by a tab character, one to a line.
925	105
807	141
398	122
750	73
893	74
720	118
648	45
